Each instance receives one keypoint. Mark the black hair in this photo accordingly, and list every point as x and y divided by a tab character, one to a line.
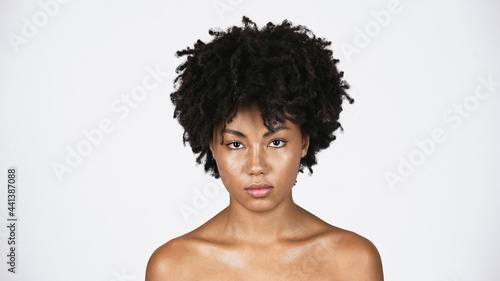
288	71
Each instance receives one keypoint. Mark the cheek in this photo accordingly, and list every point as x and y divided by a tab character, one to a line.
229	162
229	167
287	163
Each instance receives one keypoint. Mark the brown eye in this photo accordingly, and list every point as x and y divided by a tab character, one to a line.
234	145
278	143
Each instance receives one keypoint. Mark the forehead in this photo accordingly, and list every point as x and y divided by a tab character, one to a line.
248	122
249	116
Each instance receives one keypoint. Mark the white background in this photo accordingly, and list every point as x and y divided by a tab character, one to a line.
410	72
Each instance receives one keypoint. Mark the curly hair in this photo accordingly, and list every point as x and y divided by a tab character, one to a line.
288	71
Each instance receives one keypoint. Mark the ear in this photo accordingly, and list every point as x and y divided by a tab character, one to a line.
211	146
305	146
213	142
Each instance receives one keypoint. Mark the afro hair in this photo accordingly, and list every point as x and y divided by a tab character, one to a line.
288	71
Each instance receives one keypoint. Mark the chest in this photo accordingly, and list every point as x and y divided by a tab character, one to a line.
309	262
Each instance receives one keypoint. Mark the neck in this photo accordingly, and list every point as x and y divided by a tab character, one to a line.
261	227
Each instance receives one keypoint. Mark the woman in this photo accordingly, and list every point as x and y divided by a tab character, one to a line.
257	105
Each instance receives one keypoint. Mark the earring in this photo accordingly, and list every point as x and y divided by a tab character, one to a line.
295	183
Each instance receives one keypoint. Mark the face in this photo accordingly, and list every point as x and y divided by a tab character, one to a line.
258	167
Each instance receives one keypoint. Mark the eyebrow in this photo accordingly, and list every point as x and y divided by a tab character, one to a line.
267	134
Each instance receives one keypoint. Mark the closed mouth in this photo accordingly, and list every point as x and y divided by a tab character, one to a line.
259	190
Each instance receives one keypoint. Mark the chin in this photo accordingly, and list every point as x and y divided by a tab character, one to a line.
261	205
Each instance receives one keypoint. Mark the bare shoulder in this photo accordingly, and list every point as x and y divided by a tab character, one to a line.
354	257
172	260
175	260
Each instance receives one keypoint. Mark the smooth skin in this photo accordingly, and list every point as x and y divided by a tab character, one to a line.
267	238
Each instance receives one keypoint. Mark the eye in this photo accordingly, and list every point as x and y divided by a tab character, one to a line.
277	143
234	145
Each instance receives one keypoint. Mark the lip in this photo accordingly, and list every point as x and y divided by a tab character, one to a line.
259	190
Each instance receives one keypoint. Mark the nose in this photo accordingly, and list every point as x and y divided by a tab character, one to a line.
257	162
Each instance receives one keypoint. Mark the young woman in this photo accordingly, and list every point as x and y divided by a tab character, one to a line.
256	106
